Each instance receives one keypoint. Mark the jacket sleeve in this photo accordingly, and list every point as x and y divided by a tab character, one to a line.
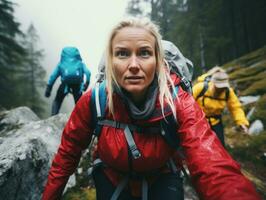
87	73
54	75
236	110
76	137
214	173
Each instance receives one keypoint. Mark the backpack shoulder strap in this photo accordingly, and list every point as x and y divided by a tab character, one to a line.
98	105
169	127
168	130
205	87
227	93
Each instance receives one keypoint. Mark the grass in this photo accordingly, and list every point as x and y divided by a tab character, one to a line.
248	59
260	110
256	88
249	152
246	71
77	193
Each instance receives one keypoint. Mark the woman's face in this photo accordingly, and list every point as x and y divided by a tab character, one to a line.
134	60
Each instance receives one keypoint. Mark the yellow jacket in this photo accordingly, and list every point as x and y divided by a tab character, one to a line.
215	106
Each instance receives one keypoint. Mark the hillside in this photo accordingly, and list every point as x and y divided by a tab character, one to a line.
247	76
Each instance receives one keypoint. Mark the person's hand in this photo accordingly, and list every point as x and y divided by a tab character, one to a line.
244	128
48	91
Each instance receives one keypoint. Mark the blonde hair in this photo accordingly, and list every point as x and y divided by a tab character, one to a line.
163	77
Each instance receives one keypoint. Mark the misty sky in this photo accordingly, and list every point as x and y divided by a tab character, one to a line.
81	23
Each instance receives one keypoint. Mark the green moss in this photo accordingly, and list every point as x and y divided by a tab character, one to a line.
249	152
249	149
248	59
84	189
251	79
249	71
260	110
257	88
80	194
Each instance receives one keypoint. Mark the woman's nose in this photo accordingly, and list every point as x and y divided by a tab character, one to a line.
134	63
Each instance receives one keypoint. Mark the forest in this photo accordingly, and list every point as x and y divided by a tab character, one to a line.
207	32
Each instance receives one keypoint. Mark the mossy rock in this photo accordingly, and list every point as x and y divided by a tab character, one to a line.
250	79
256	88
249	71
248	59
260	110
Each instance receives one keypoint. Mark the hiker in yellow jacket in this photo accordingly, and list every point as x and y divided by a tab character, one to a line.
213	93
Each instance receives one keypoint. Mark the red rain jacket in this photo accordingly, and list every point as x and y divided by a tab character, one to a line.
214	173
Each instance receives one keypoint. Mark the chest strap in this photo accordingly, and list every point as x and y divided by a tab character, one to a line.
129	138
139	129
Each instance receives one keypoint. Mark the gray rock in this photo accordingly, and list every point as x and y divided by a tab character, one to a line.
26	151
250	113
245	100
256	127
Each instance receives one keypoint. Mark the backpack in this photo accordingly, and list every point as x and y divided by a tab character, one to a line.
71	66
177	63
206	87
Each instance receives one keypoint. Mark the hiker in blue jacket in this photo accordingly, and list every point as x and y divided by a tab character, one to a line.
72	71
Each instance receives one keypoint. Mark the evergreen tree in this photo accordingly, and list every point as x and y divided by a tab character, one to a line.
33	73
11	52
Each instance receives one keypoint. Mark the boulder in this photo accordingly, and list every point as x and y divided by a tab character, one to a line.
28	145
256	127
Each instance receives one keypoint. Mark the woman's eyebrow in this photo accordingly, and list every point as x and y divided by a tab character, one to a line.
146	47
120	48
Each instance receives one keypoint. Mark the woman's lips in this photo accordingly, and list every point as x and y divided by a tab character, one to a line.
134	79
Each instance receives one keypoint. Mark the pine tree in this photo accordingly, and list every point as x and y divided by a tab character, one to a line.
33	73
11	53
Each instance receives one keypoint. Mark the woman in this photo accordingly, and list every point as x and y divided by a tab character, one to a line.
139	92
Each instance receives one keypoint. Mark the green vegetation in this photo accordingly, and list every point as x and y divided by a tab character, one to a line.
80	194
249	152
248	73
260	111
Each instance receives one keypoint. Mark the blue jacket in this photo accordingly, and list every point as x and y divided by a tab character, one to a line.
69	56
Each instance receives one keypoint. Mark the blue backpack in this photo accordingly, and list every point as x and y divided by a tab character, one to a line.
71	66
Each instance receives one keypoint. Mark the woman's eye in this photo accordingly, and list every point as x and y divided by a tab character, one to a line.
121	54
145	53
